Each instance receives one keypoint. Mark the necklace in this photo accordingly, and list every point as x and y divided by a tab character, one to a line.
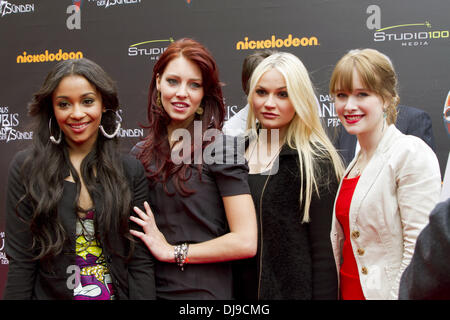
359	166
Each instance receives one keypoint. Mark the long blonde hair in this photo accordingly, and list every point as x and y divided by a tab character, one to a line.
305	132
376	72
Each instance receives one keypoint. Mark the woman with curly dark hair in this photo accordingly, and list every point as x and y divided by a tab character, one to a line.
70	195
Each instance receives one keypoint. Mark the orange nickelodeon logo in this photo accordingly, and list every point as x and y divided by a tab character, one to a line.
275	42
46	56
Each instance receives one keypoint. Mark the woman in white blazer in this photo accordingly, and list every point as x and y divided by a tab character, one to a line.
388	189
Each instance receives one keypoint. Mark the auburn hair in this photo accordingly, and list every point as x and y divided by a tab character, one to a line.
155	152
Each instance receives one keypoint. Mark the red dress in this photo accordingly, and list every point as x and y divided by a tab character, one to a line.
350	285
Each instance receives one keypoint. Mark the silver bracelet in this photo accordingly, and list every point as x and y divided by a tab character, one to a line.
180	253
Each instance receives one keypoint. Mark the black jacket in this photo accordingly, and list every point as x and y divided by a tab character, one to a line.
428	275
294	259
28	279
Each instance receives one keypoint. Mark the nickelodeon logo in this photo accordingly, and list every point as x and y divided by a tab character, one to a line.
274	42
46	56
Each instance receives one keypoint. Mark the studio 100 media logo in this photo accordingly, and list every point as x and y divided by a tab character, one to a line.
416	34
151	49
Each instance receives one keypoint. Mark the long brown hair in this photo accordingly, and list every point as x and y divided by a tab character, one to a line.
155	150
101	167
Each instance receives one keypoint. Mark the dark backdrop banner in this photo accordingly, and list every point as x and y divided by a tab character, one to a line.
126	37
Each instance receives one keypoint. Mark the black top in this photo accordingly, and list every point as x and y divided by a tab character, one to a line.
294	259
197	218
428	275
27	279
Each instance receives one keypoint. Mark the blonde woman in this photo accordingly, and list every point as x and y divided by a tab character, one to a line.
294	174
388	189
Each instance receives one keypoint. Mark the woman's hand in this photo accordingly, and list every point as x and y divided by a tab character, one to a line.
152	237
240	243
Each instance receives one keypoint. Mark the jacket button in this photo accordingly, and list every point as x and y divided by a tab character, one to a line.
364	270
355	234
361	251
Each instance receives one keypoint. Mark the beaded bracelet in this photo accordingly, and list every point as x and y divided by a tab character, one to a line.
180	253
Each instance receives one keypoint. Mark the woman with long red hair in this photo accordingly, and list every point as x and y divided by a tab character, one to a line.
201	214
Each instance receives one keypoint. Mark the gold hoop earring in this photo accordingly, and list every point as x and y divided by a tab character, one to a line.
199	110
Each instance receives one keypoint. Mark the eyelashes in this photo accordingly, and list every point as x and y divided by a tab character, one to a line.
281	94
193	84
65	104
341	95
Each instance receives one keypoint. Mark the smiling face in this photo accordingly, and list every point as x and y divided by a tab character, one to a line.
359	109
78	107
181	90
270	101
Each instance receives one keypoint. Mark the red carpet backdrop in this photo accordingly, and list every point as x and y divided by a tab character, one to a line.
126	37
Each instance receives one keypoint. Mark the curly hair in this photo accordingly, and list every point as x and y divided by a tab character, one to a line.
101	167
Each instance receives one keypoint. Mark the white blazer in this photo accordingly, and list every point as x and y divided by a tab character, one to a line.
390	206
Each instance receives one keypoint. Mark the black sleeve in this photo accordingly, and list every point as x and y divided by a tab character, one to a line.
419	124
226	162
22	269
141	275
428	274
325	282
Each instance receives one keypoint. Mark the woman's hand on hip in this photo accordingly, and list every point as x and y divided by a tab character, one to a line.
151	236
